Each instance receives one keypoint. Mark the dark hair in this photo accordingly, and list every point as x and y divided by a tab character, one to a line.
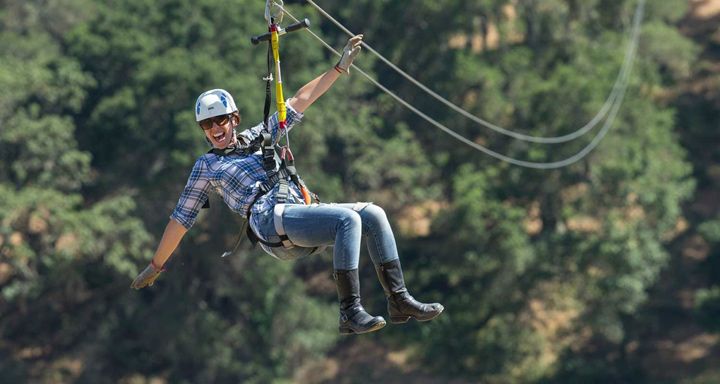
236	115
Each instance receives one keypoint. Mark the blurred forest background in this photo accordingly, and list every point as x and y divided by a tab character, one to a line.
604	271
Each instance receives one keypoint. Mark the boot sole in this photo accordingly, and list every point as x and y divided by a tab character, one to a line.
347	331
404	319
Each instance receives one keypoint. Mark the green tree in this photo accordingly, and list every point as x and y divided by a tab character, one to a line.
583	243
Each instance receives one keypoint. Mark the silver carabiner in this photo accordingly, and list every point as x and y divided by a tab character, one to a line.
274	11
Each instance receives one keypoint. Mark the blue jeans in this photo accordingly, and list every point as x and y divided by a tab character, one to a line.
341	226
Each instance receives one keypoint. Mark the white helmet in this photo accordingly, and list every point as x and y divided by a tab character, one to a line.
214	102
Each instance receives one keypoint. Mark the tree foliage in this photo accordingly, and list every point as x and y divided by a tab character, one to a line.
541	272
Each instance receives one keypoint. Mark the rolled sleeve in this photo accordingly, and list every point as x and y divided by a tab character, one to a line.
292	117
193	197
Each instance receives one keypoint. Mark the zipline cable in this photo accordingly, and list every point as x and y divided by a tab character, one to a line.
527	164
534	139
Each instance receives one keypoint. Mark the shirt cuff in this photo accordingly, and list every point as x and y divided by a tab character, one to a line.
296	116
185	222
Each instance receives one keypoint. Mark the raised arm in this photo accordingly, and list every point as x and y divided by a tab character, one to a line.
311	91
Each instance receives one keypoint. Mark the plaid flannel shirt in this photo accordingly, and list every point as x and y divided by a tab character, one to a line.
235	177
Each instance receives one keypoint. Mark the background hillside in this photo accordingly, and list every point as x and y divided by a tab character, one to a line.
607	270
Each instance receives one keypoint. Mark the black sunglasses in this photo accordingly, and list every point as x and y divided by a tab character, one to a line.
221	120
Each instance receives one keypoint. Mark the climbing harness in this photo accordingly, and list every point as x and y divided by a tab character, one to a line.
274	153
278	161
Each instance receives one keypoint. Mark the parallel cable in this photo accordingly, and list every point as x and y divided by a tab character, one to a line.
534	139
617	102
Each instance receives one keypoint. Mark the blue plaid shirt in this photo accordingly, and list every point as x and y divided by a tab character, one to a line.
237	178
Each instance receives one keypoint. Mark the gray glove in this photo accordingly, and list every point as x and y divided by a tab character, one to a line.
352	48
147	277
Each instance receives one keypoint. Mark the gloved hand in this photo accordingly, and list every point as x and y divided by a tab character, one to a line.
352	48
147	277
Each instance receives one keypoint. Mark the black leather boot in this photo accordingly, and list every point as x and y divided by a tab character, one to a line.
401	305
353	318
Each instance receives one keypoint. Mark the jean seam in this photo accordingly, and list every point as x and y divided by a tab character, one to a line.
345	251
371	232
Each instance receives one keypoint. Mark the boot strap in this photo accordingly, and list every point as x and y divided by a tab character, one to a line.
347	314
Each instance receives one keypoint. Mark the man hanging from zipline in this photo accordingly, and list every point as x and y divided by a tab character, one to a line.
257	180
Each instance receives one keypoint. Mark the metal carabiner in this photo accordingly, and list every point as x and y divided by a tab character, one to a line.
274	11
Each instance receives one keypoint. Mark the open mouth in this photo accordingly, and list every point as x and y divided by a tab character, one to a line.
220	136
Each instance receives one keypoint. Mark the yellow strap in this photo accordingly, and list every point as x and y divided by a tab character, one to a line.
280	100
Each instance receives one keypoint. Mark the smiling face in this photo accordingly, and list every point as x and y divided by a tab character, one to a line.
219	129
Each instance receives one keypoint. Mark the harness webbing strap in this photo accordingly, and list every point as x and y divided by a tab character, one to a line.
272	156
279	227
283	192
268	153
268	84
279	98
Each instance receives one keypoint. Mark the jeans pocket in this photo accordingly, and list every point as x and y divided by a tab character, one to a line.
263	225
